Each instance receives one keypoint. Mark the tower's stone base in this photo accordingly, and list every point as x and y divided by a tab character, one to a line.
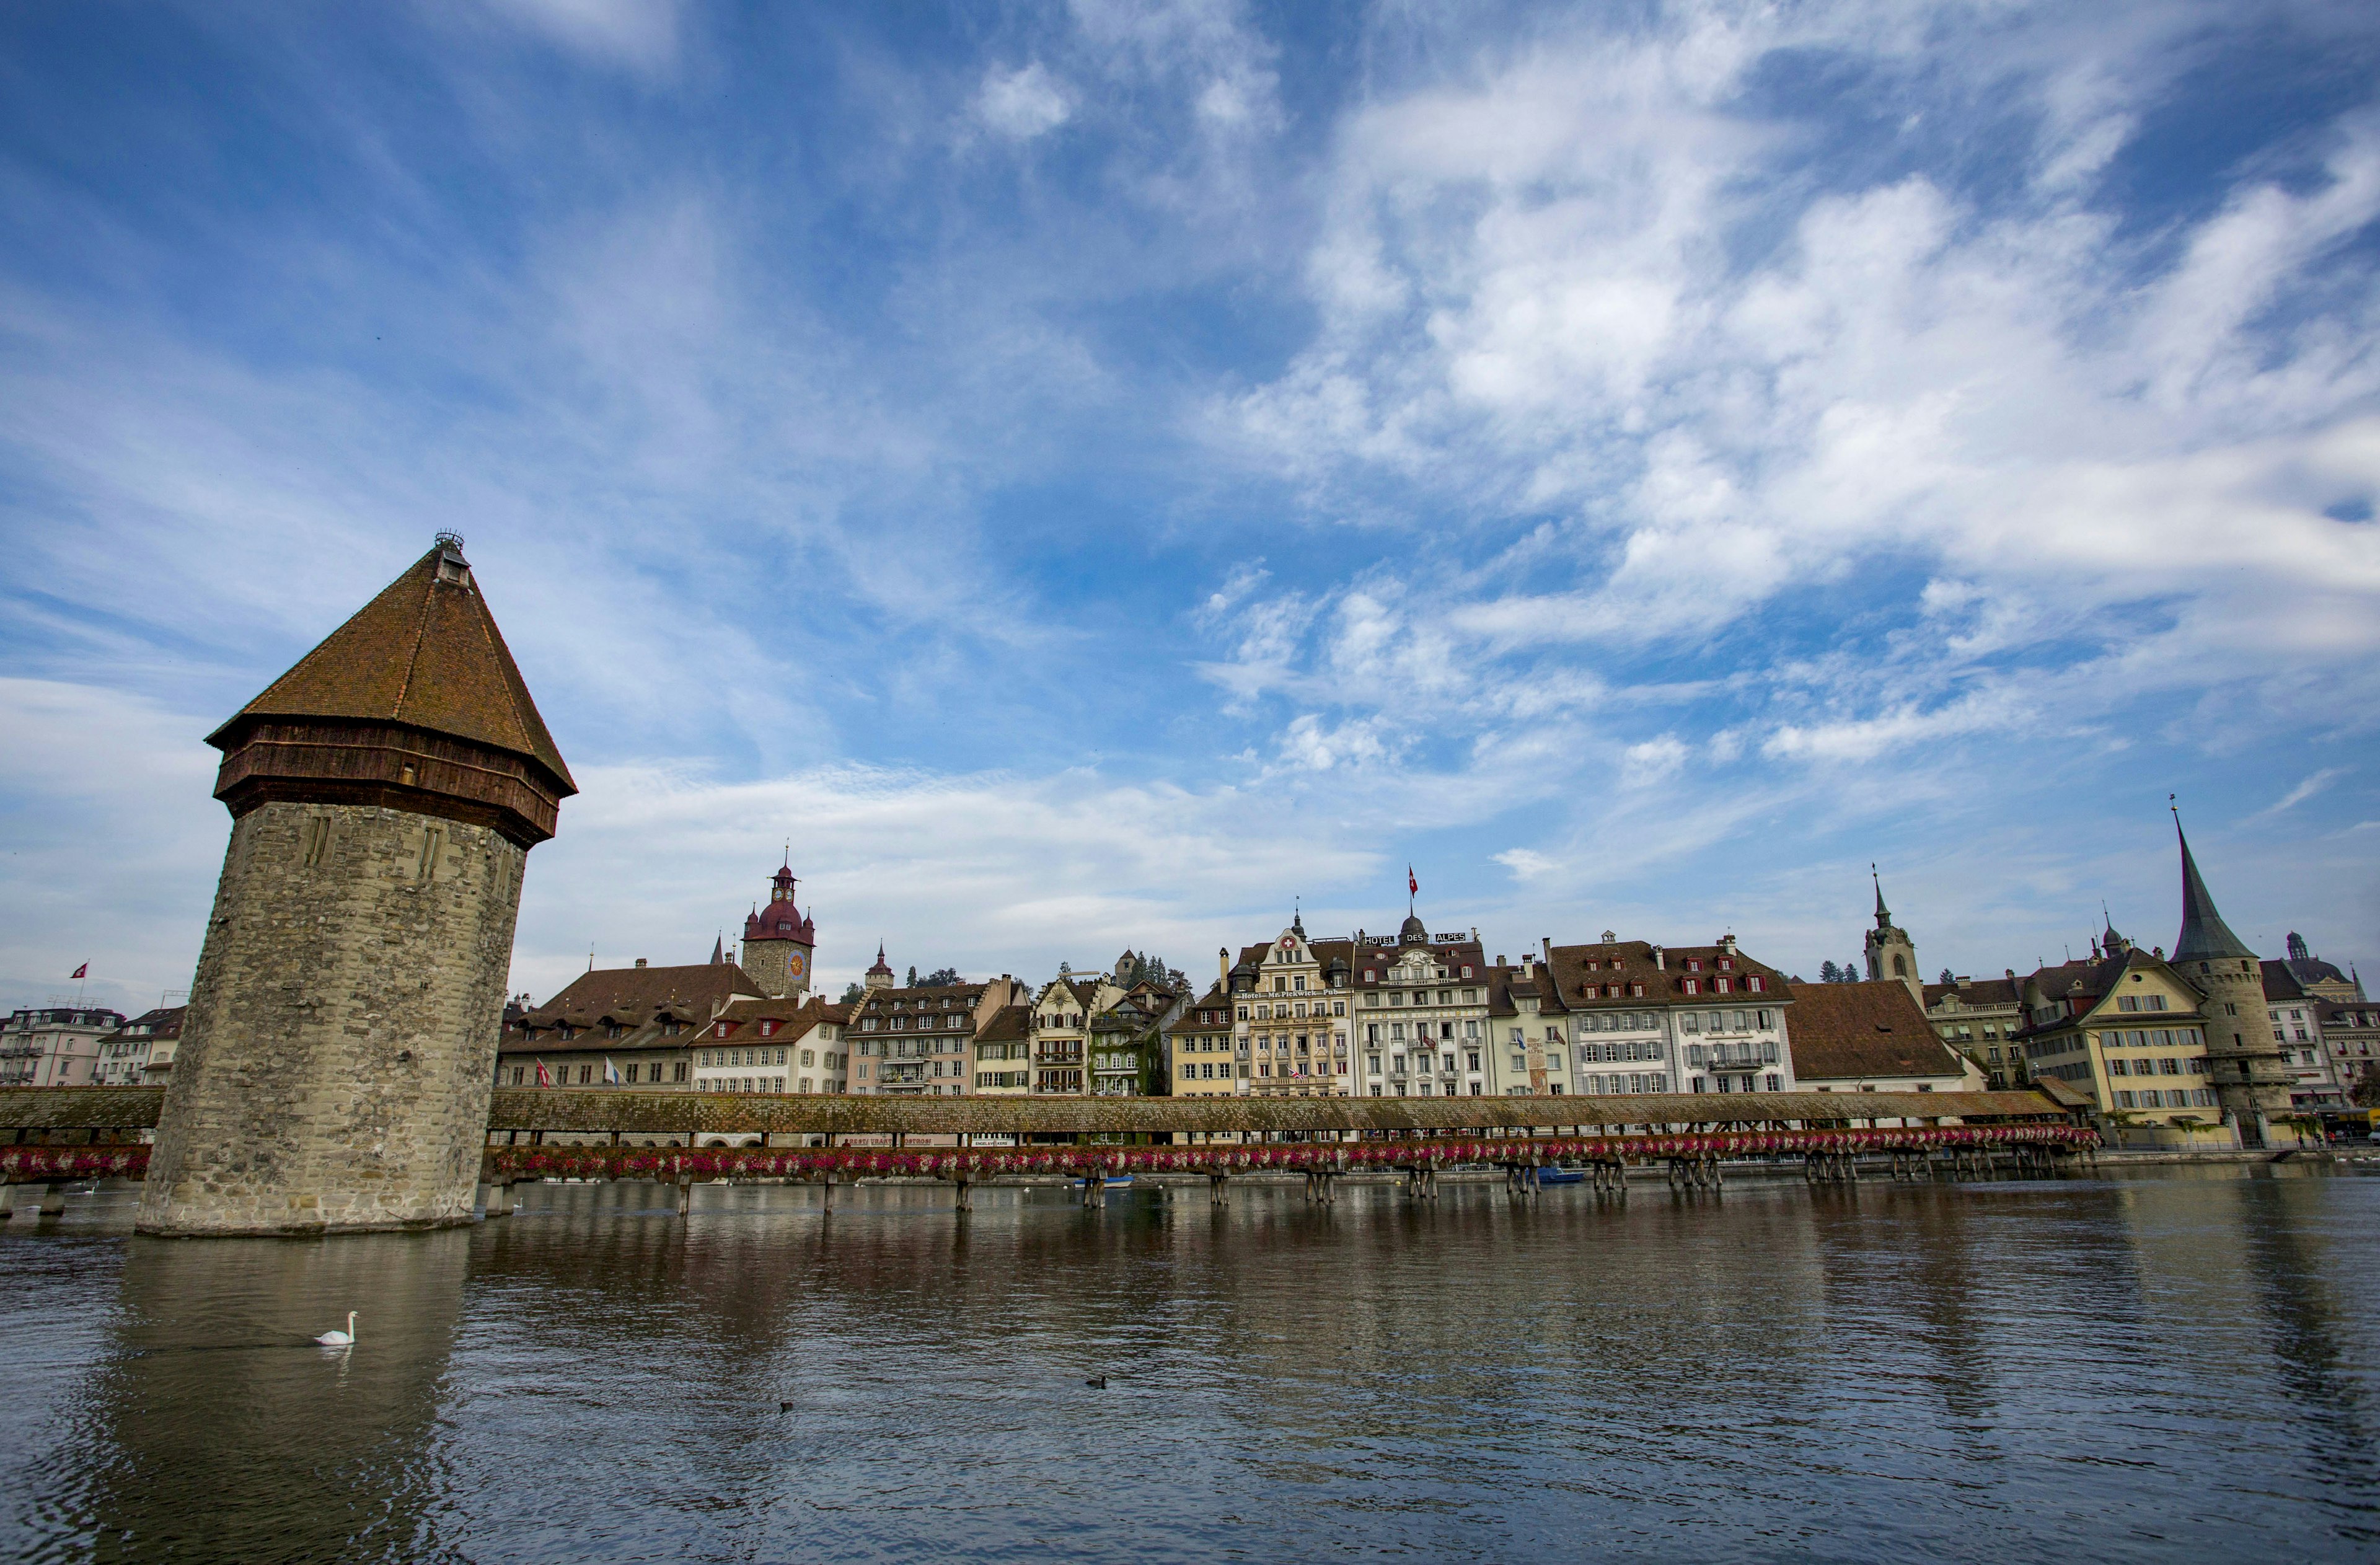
338	1051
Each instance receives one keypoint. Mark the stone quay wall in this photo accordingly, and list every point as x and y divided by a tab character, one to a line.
339	1050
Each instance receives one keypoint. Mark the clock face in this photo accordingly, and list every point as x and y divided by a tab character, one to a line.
795	967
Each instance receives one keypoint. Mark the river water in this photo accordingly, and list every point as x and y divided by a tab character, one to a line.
2148	1365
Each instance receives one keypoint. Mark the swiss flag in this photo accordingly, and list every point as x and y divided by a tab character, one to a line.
82	972
1413	887
544	1079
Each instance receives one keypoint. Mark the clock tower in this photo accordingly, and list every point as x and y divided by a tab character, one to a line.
778	940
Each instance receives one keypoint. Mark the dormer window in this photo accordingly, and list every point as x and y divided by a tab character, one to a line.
1720	986
768	1029
1693	964
1726	964
1694	985
613	1030
1754	983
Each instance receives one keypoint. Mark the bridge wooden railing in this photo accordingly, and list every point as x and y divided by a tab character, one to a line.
73	1133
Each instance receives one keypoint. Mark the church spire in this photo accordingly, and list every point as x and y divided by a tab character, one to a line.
1883	914
2204	933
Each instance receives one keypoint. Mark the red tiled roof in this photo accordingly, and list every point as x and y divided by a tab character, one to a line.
1842	1032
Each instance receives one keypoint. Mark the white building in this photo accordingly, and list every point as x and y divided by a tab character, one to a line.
789	1045
141	1053
1620	1017
1421	1006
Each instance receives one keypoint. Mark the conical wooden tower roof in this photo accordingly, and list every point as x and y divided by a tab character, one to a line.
426	653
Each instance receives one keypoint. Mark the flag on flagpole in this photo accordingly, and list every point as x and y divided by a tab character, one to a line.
82	971
544	1078
1413	887
611	1072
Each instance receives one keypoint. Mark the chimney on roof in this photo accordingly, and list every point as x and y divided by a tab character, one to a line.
1500	960
1727	944
641	960
1660	961
1545	948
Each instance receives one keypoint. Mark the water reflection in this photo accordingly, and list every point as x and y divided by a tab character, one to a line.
212	1428
2135	1367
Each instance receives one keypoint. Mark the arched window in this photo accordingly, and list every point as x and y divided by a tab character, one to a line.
1901	967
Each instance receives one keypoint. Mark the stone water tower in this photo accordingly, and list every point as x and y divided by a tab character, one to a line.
340	1043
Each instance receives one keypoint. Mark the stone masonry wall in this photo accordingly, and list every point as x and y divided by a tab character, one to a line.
337	1057
2249	1076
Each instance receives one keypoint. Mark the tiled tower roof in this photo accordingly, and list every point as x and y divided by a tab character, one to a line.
425	653
414	704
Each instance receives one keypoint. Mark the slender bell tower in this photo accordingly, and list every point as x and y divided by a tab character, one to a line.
1891	954
340	1043
2251	1081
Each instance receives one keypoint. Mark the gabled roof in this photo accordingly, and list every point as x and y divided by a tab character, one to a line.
1977	992
1010	1023
1865	1031
797	1016
425	653
1581	977
163	1023
696	991
2280	983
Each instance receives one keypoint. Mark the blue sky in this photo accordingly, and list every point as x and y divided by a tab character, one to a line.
1086	476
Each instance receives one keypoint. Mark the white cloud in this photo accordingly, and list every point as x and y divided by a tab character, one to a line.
1655	761
1024	102
640	34
2314	784
1539	291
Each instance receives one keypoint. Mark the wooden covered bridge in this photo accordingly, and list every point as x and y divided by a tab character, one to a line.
49	1134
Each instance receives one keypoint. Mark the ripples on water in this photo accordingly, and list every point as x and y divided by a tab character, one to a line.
2152	1366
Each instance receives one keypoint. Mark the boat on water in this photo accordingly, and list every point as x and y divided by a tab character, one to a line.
1114	1182
1560	1176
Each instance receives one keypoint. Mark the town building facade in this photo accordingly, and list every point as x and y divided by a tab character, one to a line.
2127	1030
1200	1041
2296	1018
1640	1017
55	1045
613	1027
794	1045
920	1042
1003	1052
1420	1004
1977	1017
141	1053
1290	1002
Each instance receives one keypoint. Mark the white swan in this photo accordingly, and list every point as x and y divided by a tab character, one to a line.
340	1338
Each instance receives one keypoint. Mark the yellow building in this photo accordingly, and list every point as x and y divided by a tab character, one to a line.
2127	1030
1289	1008
1198	1046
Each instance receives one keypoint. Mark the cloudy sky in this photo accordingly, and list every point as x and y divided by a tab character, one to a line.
1089	474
